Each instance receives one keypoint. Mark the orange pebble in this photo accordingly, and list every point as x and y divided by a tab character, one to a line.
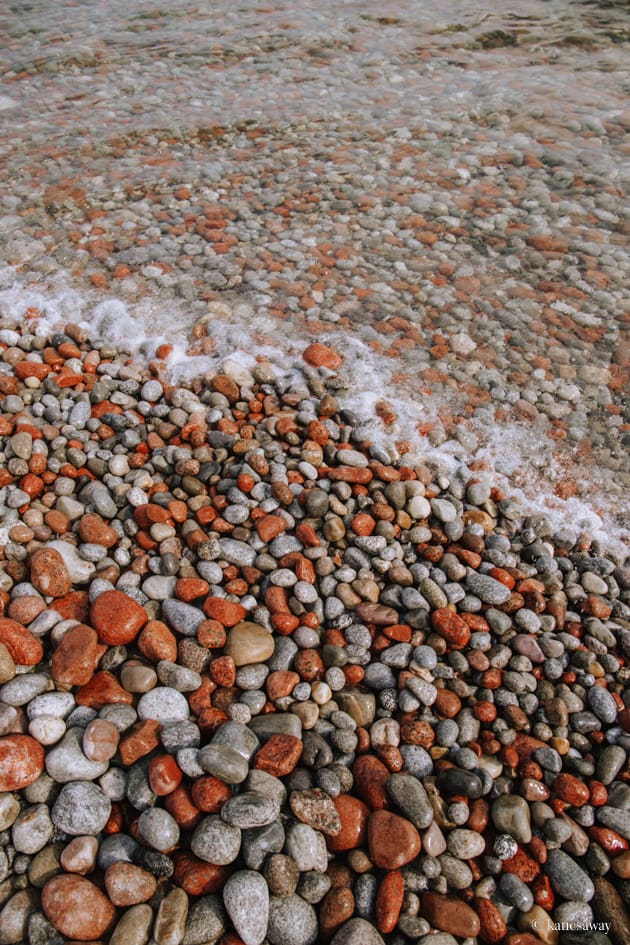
164	775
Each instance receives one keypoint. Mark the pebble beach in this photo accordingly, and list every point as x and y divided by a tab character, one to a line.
314	562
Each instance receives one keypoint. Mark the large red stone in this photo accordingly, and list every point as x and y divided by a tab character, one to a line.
21	762
393	840
370	779
450	914
354	816
49	573
117	618
25	649
451	627
74	659
76	907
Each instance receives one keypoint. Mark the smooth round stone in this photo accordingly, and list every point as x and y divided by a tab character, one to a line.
9	810
216	841
184	618
158	829
128	885
170	921
456	872
510	814
21	689
516	892
32	830
281	875
241	738
164	705
76	907
393	840
16	915
259	842
567	878
159	587
135	677
610	763
55	704
307	848
465	844
250	809
81	808
47	730
248	643
602	704
66	762
178	677
206	921
292	921
224	763
246	900
79	856
460	782
358	932
487	589
133	926
411	799
100	740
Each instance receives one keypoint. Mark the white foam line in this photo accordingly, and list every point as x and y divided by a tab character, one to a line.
507	450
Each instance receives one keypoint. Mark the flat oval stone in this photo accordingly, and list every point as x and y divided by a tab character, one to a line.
164	705
21	762
292	921
224	763
567	878
411	799
246	900
460	782
450	914
510	814
81	808
465	844
393	840
487	589
66	761
250	809
247	643
76	907
216	841
117	618
602	704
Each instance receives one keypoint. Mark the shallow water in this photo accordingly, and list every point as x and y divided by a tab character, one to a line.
382	174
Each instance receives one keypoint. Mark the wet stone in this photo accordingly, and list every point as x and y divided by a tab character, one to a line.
567	878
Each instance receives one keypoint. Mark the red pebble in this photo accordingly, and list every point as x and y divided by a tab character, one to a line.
389	901
25	649
451	627
117	618
21	762
164	775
